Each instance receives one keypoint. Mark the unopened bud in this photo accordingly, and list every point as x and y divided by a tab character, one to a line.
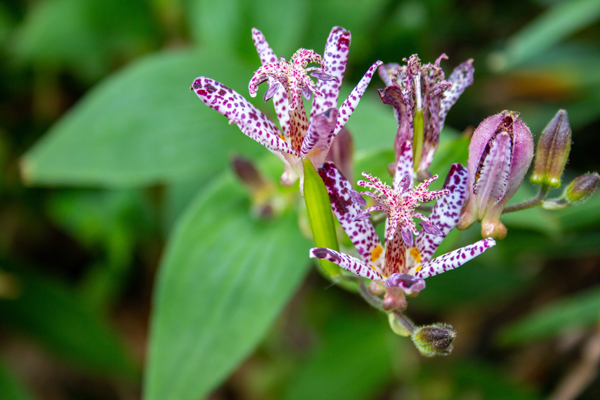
434	340
500	152
552	151
582	188
248	174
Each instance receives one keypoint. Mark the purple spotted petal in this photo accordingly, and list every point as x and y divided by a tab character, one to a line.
345	261
319	136
280	100
404	168
446	211
454	259
395	255
348	106
460	79
346	209
241	112
410	284
335	58
393	95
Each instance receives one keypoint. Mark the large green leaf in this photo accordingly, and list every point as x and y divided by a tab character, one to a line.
10	387
143	126
47	311
577	311
224	278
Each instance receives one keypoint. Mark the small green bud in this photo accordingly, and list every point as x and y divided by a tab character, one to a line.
582	188
434	340
397	326
553	150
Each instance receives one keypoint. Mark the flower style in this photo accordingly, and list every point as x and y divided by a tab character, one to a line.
415	87
500	152
297	138
404	263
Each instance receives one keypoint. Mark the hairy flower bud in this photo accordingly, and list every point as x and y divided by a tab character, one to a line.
434	340
582	188
499	155
552	151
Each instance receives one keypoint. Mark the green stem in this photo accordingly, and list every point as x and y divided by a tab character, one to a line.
406	322
536	201
418	136
373	301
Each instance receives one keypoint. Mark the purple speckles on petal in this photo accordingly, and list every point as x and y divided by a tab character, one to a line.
454	259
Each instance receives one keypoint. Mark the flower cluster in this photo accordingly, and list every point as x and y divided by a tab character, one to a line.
500	153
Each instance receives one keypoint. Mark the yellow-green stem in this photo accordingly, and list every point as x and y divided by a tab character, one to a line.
418	135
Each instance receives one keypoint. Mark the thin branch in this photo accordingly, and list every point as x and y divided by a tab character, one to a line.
536	201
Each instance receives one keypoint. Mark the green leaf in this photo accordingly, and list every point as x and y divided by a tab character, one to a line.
353	362
10	387
143	126
224	278
320	215
216	24
575	312
548	29
47	311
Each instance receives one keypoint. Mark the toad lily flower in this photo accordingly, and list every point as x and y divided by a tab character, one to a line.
298	138
500	152
421	97
404	263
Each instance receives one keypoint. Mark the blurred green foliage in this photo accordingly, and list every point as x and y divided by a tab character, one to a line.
107	157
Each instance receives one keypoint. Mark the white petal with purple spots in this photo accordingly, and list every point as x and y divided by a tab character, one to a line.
454	259
241	112
345	261
446	212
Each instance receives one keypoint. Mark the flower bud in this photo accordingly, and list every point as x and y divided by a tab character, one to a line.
434	340
397	326
500	152
552	151
582	188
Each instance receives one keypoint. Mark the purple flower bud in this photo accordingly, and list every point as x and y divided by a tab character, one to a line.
434	340
582	188
499	155
552	151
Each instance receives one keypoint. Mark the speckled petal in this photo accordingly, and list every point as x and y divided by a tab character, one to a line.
345	208
348	106
404	168
460	79
446	211
345	261
298	126
280	101
319	136
241	112
395	259
335	58
454	259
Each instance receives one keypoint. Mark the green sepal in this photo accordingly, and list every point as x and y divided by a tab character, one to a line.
418	136
320	216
